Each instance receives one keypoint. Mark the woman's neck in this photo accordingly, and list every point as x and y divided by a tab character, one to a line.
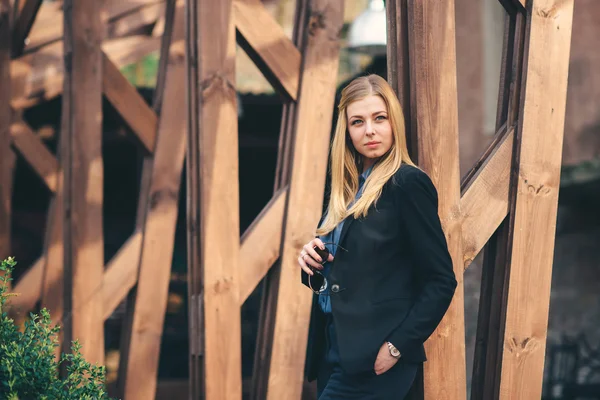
367	163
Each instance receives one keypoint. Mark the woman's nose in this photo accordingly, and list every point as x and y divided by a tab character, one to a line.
369	128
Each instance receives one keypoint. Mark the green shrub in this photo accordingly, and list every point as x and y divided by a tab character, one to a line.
28	367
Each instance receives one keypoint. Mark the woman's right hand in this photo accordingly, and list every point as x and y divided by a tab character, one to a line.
309	258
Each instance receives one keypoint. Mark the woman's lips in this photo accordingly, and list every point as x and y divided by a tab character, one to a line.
372	144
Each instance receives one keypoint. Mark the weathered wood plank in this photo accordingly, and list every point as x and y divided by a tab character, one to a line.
398	66
265	42
123	18
37	155
485	203
130	104
6	155
270	282
39	76
141	365
260	245
213	186
81	159
434	118
534	210
304	203
27	13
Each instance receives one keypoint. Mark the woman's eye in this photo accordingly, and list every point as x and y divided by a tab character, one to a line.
381	118
356	122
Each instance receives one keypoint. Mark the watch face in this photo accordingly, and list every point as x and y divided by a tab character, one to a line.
395	352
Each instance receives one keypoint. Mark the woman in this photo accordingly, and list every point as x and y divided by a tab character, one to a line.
384	277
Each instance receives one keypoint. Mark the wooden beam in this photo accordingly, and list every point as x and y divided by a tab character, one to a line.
130	104
141	366
265	42
270	282
81	159
485	203
398	66
39	76
534	210
6	155
23	25
304	203
435	121
123	18
34	151
213	204
260	245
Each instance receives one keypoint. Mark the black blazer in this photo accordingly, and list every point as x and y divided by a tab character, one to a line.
394	284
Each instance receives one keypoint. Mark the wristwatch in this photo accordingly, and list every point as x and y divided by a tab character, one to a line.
393	350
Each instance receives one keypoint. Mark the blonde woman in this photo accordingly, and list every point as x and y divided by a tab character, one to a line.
380	266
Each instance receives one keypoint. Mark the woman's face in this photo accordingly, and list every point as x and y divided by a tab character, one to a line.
369	128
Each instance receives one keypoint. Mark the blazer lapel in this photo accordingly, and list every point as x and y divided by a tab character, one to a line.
347	222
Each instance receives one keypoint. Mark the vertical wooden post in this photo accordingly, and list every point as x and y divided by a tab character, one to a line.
434	116
534	209
304	202
129	375
268	308
398	65
213	188
81	157
6	154
140	368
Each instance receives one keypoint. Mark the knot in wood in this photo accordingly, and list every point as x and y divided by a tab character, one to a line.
162	196
222	285
522	346
316	22
219	82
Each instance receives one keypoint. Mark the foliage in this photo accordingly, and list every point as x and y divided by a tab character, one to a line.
28	367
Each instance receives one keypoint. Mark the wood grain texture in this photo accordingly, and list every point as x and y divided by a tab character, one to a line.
398	65
304	203
123	18
485	203
533	216
213	187
130	104
141	366
268	46
434	119
39	76
261	245
35	152
81	159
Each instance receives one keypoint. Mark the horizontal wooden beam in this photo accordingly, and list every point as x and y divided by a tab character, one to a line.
30	147
265	42
485	203
261	244
130	104
39	76
123	18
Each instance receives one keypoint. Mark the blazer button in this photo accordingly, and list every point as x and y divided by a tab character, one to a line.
335	288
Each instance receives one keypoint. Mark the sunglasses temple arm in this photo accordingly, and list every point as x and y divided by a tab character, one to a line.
336	245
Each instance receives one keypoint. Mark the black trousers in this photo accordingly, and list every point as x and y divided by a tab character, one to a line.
335	384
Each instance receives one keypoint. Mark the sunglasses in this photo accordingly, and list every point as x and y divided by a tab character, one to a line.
318	282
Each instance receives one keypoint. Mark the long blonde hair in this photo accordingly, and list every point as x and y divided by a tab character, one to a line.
345	160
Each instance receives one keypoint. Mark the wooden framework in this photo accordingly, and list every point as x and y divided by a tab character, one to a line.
506	204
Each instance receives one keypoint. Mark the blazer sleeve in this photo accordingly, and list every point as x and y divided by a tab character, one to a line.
418	201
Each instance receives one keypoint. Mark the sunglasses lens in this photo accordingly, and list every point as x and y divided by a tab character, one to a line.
317	282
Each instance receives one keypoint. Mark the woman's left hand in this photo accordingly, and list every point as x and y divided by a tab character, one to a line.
384	360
